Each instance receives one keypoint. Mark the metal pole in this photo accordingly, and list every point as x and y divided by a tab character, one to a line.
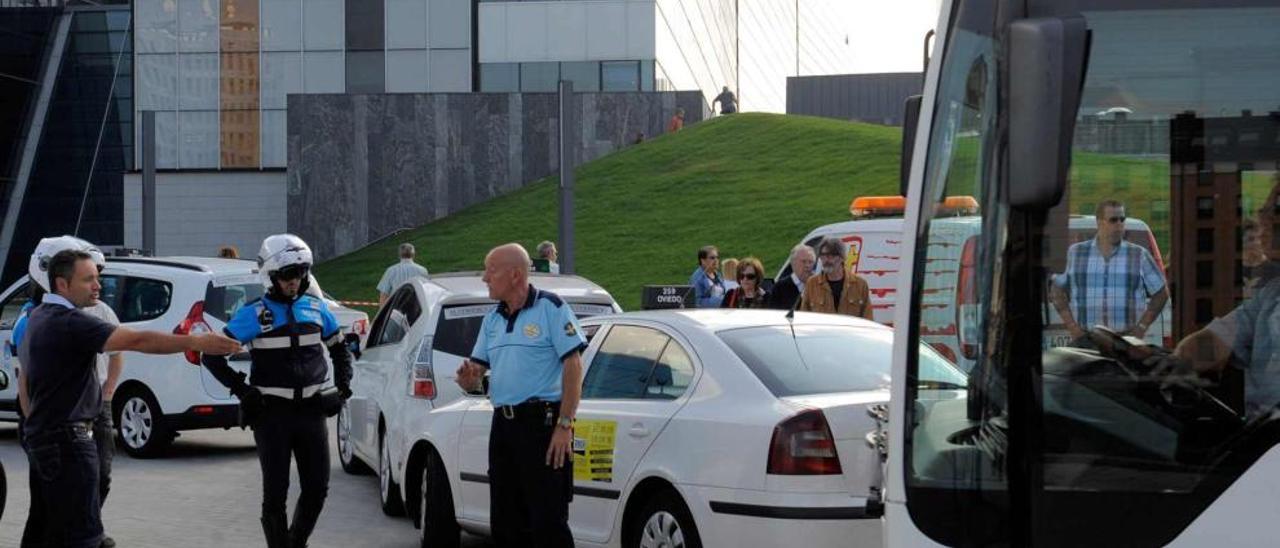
149	181
568	147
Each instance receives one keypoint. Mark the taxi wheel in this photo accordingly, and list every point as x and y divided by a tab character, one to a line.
388	491
351	464
4	490
140	423
664	522
439	524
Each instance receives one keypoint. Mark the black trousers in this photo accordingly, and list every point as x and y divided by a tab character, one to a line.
286	431
104	436
528	499
64	488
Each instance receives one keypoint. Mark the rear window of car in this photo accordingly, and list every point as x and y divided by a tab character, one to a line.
459	324
829	359
222	302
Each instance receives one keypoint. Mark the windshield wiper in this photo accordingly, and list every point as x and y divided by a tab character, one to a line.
940	385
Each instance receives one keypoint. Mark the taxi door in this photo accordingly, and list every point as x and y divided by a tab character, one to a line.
637	377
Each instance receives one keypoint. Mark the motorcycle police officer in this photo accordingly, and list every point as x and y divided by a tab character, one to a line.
287	332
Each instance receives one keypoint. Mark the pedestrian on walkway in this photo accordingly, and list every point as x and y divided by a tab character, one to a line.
708	284
532	345
836	291
63	396
398	273
677	121
728	102
749	293
786	292
547	252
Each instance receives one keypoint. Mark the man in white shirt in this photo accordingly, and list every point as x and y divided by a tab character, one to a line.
110	366
398	273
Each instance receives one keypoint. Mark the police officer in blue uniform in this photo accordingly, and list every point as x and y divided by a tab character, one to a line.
285	400
532	345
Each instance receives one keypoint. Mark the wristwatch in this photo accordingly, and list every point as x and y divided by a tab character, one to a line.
565	423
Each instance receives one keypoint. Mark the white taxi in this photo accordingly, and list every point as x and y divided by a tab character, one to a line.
729	428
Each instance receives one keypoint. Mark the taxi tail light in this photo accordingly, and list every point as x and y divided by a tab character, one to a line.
967	300
193	324
422	381
803	446
360	327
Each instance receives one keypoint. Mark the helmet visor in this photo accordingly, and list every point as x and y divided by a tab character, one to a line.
291	272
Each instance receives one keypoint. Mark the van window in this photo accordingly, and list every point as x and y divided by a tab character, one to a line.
223	302
137	299
10	308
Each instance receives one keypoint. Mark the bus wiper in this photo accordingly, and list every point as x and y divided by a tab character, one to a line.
940	385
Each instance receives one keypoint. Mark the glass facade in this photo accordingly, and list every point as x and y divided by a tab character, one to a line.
585	75
76	179
219	72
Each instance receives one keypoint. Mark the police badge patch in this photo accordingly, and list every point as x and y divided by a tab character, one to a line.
531	330
569	329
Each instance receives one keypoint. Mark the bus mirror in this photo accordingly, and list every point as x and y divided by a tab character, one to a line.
1047	59
910	118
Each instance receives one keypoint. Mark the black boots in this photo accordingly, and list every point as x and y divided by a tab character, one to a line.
305	515
276	528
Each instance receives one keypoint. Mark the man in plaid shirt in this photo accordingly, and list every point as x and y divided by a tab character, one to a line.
1109	281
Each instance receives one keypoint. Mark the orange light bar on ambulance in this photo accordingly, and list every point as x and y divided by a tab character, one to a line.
959	206
877	206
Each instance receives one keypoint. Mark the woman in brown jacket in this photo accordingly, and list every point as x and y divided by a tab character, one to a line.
835	291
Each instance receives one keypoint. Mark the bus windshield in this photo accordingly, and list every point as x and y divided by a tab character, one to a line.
1157	278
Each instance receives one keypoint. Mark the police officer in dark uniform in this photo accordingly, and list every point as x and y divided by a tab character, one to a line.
285	401
532	345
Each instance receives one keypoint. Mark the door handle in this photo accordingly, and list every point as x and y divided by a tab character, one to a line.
638	431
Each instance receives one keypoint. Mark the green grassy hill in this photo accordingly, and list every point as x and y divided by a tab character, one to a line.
752	184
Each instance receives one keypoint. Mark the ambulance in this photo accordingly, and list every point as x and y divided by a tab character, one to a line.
873	250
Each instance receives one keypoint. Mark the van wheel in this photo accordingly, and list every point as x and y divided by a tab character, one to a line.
435	513
664	521
351	464
140	423
388	491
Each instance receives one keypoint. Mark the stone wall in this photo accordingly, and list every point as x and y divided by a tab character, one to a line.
364	166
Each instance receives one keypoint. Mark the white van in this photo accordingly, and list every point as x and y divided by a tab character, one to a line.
873	246
159	396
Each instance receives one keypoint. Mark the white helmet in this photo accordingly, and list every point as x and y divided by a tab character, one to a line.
38	268
283	251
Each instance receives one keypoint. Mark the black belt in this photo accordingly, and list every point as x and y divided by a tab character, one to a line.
528	406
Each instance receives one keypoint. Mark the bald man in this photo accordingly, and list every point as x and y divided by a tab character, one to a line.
532	346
